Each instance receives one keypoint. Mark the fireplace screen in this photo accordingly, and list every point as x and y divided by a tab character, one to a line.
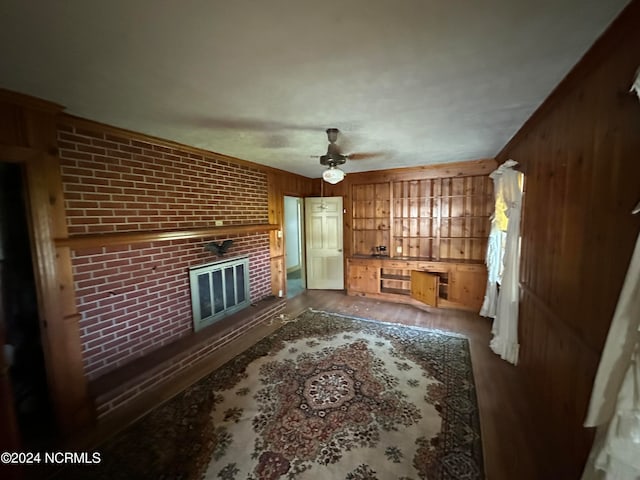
218	289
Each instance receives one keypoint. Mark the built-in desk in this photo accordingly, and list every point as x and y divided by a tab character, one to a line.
442	283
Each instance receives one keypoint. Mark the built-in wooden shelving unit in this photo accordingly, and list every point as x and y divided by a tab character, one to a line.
434	218
420	235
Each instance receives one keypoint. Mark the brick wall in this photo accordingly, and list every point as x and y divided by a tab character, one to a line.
115	184
135	298
180	364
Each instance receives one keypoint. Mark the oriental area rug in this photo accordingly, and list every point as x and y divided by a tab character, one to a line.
324	397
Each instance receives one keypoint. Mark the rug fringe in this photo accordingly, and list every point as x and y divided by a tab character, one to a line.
392	324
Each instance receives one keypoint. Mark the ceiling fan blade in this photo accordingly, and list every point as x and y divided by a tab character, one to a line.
366	155
248	124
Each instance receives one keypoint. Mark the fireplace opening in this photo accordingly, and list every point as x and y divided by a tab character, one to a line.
218	289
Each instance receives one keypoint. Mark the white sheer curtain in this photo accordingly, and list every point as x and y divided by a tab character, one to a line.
505	324
494	262
495	246
615	398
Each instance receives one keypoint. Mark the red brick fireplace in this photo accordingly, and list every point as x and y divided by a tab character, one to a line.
133	292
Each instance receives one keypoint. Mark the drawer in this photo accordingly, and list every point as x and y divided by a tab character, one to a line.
478	268
364	262
434	267
405	265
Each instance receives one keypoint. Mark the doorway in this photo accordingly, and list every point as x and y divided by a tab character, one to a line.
325	261
22	348
294	242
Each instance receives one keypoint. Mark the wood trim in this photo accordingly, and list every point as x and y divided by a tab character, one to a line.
125	238
102	127
626	21
17	154
32	143
278	276
27	101
60	337
67	291
74	317
444	170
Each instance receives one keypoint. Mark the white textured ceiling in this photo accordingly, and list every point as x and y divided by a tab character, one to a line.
421	81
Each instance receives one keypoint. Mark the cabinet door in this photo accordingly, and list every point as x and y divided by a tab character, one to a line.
424	287
468	287
364	278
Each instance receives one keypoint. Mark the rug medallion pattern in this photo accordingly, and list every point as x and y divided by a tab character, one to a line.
325	396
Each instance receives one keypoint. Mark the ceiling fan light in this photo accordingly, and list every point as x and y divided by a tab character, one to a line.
333	175
332	134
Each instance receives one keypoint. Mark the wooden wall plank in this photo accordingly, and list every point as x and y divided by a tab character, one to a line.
579	153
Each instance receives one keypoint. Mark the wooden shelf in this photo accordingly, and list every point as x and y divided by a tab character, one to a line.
125	238
462	238
416	198
433	218
371	229
388	276
395	291
414	236
462	195
479	195
445	217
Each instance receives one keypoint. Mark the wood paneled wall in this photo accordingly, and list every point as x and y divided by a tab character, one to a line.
580	153
281	184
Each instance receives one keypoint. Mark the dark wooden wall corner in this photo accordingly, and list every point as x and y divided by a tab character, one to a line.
28	136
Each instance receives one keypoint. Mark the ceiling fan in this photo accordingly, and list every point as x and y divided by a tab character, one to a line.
335	157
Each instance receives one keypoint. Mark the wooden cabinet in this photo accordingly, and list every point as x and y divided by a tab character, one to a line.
433	233
437	284
436	218
468	286
395	278
424	287
363	277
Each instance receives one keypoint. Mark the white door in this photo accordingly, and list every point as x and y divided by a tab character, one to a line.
325	264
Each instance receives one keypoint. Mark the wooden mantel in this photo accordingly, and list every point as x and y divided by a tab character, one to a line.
123	238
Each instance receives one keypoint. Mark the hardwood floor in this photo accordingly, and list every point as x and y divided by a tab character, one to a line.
511	447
